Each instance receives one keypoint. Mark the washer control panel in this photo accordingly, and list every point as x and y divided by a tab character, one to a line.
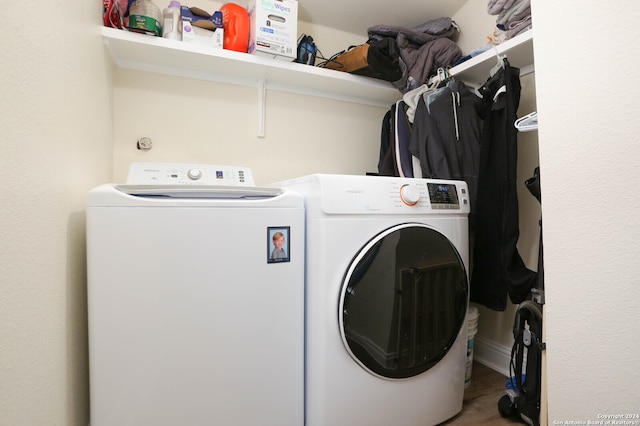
188	174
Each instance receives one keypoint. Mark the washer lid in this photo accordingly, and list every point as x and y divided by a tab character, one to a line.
199	191
168	196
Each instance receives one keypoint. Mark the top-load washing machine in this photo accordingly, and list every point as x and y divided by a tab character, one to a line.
195	299
386	299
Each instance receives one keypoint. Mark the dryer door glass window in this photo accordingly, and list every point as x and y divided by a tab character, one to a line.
403	301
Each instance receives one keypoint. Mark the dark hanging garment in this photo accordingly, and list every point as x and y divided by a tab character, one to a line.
446	137
498	269
402	137
387	159
395	157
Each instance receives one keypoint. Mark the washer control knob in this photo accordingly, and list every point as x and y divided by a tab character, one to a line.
410	195
194	174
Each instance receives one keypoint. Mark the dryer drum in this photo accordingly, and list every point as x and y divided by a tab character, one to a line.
403	301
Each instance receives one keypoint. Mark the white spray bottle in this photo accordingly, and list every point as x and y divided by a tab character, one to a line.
171	22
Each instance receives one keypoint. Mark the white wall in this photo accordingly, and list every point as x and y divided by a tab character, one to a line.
205	122
55	144
586	77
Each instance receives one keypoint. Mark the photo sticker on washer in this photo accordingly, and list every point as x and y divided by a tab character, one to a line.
278	244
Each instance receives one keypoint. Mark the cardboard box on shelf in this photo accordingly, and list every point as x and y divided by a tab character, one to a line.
200	27
274	28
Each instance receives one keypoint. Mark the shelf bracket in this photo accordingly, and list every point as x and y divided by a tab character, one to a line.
262	98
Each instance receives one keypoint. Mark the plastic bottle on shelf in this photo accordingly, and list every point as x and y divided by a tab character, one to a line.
144	17
236	24
171	22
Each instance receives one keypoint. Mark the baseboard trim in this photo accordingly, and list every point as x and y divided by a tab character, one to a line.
492	354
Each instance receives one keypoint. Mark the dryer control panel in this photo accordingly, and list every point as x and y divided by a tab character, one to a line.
442	195
188	174
346	194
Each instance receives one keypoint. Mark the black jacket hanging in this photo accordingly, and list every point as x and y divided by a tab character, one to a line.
446	137
498	269
386	161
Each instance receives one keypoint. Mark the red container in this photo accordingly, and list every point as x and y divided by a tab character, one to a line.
235	21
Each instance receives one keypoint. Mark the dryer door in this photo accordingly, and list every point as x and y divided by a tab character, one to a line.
403	301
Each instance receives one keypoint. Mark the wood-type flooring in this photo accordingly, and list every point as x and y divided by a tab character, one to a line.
480	406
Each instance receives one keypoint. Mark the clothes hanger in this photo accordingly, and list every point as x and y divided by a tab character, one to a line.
499	62
442	76
528	123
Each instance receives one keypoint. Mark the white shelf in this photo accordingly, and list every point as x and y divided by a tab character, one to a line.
158	55
518	50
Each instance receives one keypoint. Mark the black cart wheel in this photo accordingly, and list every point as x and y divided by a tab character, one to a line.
506	407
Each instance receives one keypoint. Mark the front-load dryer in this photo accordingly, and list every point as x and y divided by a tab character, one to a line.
386	299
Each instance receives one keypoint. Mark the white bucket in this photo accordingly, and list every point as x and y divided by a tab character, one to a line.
472	329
